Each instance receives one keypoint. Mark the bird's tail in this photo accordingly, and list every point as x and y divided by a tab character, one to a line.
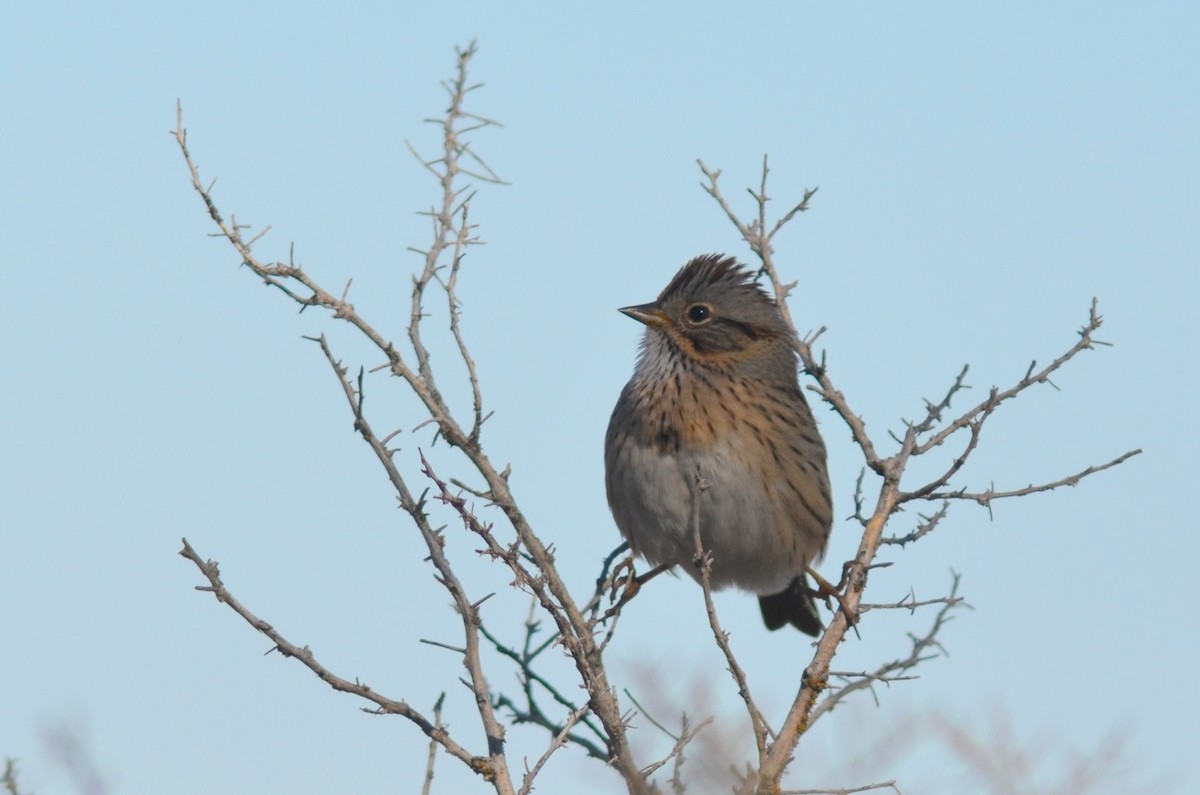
794	605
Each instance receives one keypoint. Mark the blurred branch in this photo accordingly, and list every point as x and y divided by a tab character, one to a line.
427	787
70	750
9	778
682	740
999	763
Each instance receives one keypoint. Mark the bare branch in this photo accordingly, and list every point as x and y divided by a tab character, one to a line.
525	579
603	581
704	564
383	704
494	729
976	428
761	246
910	603
985	498
559	741
539	718
995	398
933	411
455	312
859	501
451	232
533	713
920	437
898	669
578	630
926	526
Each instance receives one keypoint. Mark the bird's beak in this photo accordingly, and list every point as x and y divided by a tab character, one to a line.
650	314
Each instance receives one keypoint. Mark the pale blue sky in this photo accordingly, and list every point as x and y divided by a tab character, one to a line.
983	172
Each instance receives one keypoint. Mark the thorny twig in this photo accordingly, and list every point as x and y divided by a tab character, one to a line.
844	790
924	647
532	712
559	740
383	704
918	439
452	234
985	498
926	526
532	562
703	564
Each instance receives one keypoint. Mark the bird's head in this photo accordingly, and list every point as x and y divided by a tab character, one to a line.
713	312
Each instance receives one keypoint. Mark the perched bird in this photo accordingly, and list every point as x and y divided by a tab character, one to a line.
713	426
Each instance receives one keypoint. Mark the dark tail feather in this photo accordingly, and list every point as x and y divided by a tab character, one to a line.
793	606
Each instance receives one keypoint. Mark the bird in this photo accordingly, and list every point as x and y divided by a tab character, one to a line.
713	429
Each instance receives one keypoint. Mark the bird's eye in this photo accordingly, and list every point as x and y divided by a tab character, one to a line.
698	313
